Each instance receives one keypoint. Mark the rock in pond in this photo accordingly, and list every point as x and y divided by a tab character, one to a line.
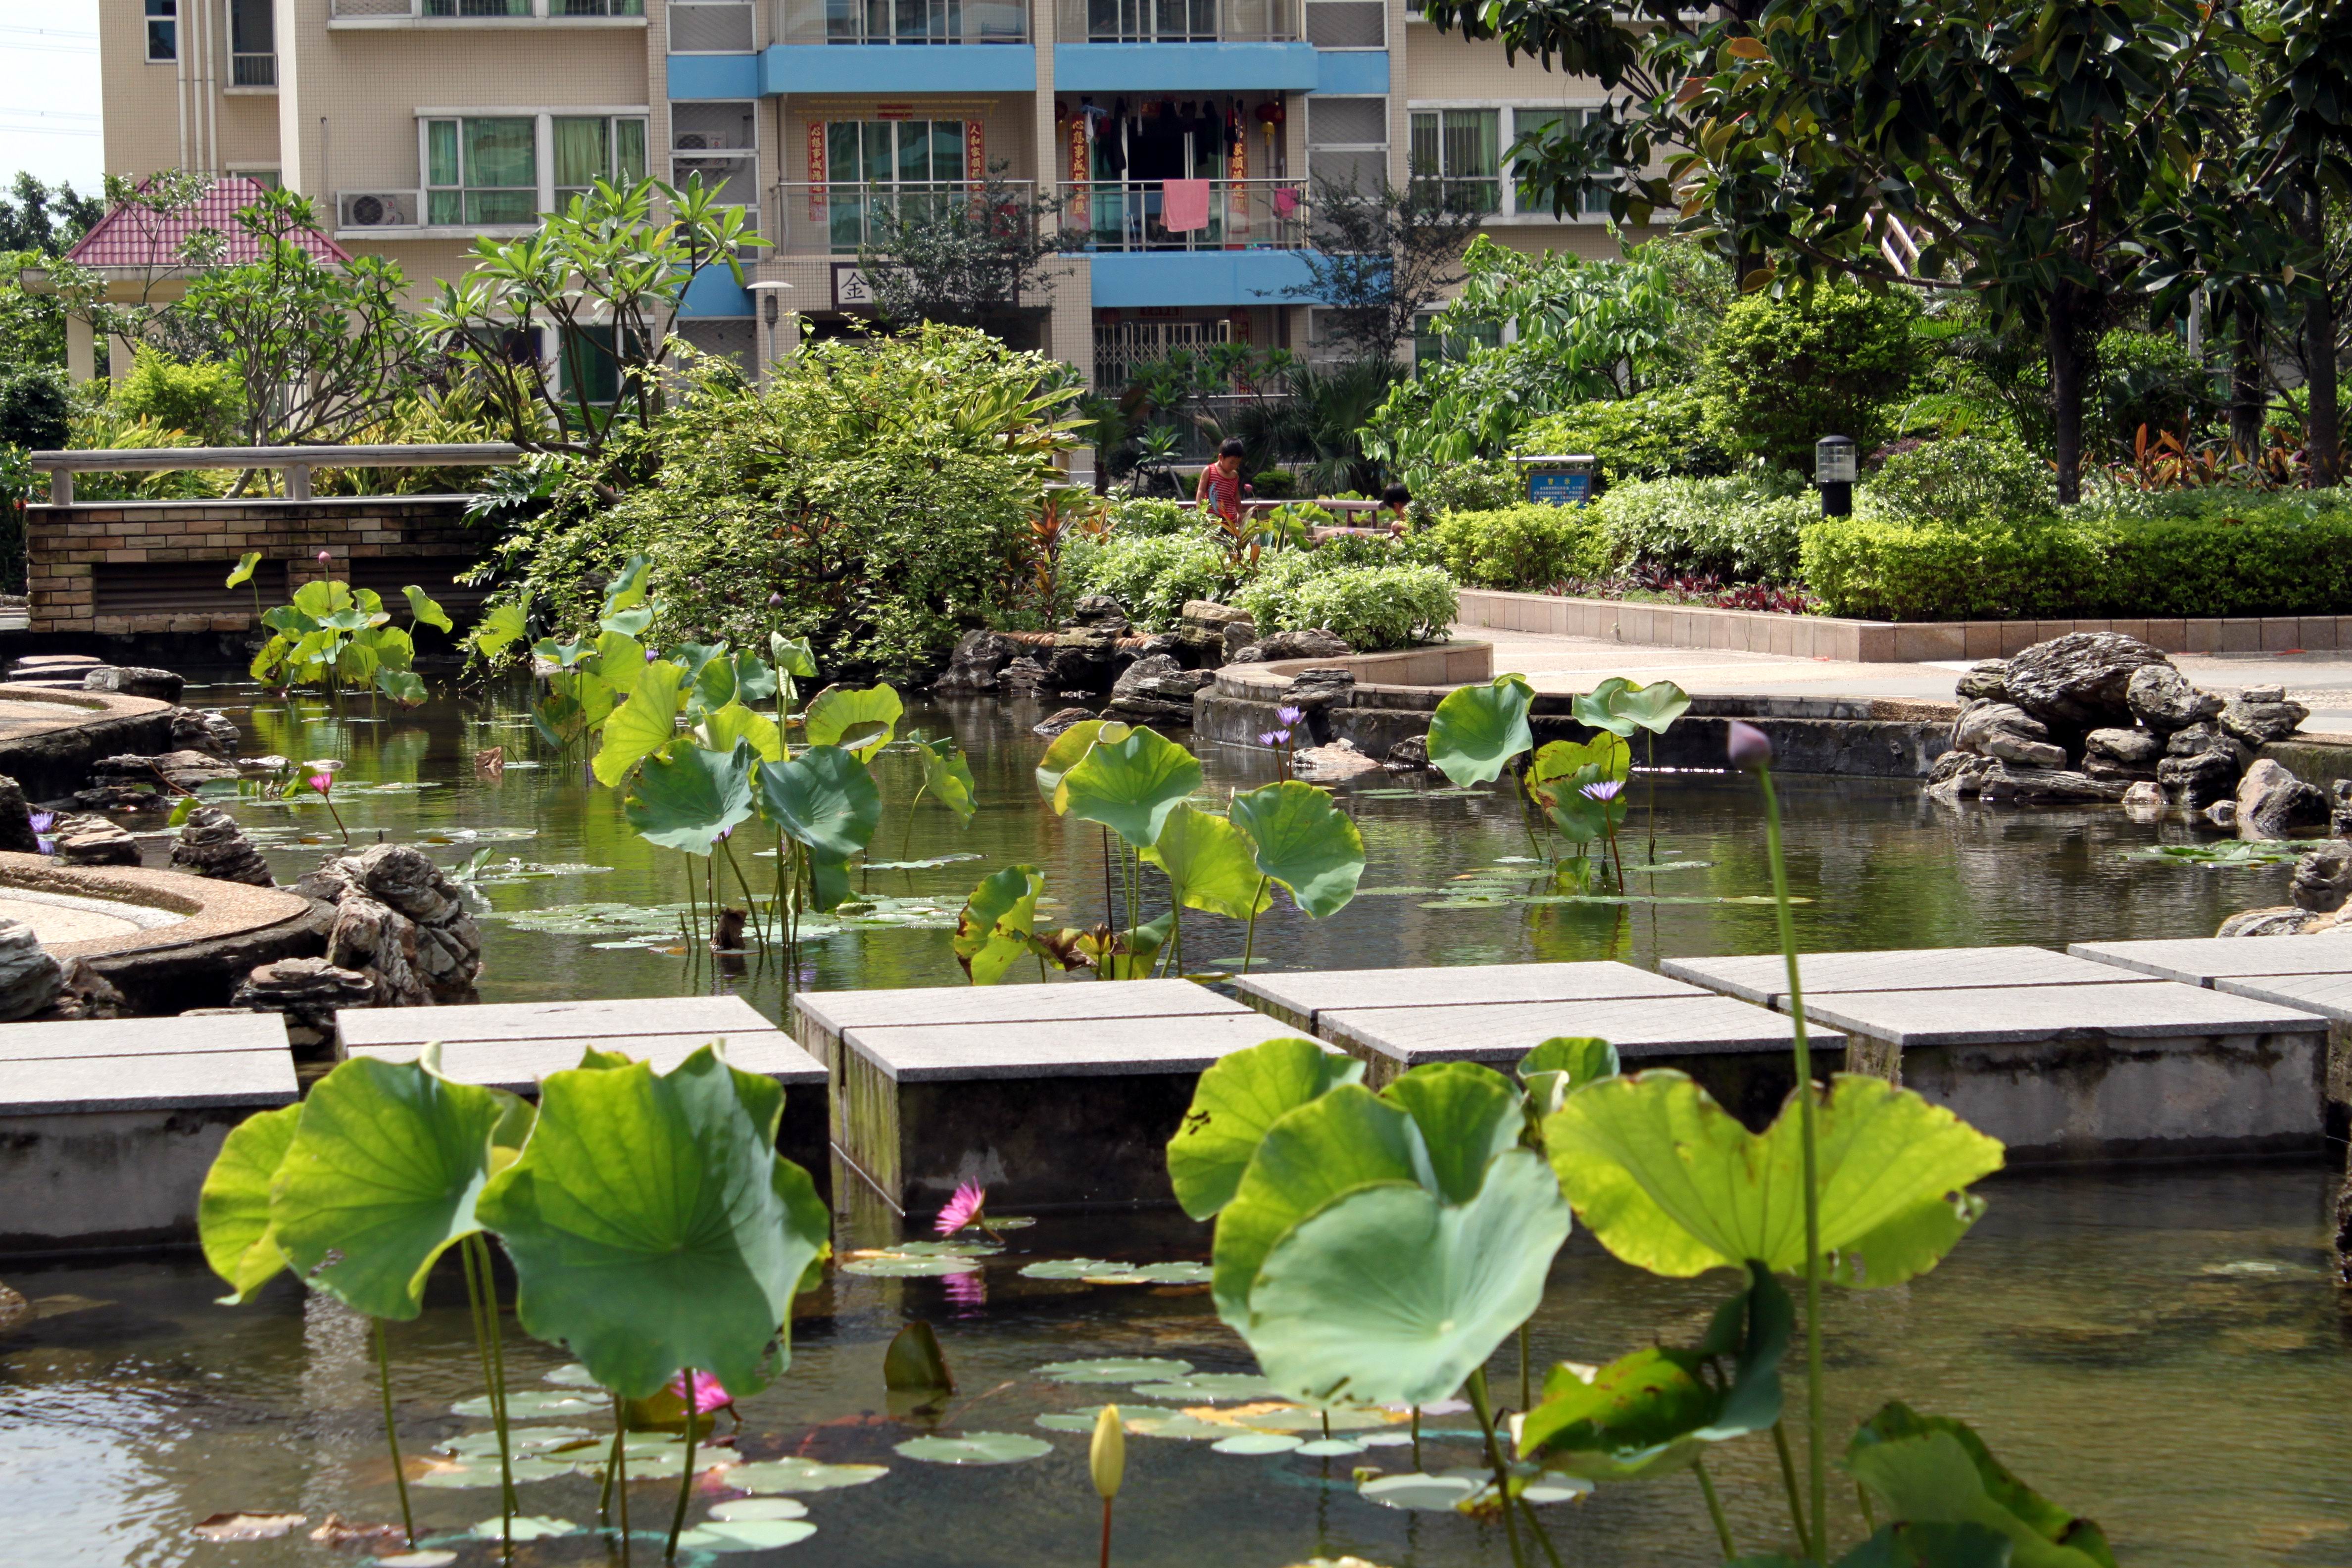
2197	782
978	660
132	681
2079	682
206	729
2273	803
1025	676
1332	764
1157	690
2263	713
2322	879
2006	781
2161	698
448	947
2005	730
16	834
1311	643
1409	755
93	841
308	991
1055	724
1987	679
212	845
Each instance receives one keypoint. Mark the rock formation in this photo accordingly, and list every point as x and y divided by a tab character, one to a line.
1333	763
1062	718
979	658
2080	680
2260	714
308	991
130	681
93	841
2161	698
17	835
2275	803
1312	642
1409	755
212	845
443	948
30	976
205	729
2322	879
1157	690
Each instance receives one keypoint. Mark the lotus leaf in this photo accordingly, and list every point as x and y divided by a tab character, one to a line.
1932	1470
893	1266
1208	864
1304	842
1131	784
1210	1387
233	1209
1600	707
687	798
1329	1447
1346	1139
702	660
381	1177
423	610
945	1248
791	655
914	1361
1393	1295
401	686
628	588
1468	1114
824	799
723	726
976	1448
1064	754
751	1507
1561	1065
947	777
1477	730
1558	770
1113	954
1653	707
860	721
242	572
994	928
533	1401
1670	1181
475	1473
1088	1420
501	628
653	1227
643	725
1114	1369
1237	1099
524	1527
620	656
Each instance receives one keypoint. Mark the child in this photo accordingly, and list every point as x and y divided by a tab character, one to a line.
1397	501
1221	487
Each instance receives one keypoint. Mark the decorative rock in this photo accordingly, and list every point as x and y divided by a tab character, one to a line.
1100	611
183	770
93	841
2268	717
1988	679
2279	920
2199	781
308	991
1312	642
212	845
2004	781
2223	814
17	835
374	939
120	797
2161	698
2079	680
1083	660
132	681
86	994
1025	676
2002	730
1055	724
1409	755
2144	801
2273	803
448	947
2133	748
1319	686
2339	812
206	729
1209	613
1166	643
30	976
978	660
1958	776
1239	635
1156	688
1331	764
2323	878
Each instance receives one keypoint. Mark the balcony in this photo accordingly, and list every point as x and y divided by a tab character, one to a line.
1178	21
253	70
1183	45
900	46
902	22
1105	215
842	216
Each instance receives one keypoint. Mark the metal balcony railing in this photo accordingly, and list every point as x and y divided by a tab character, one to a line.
842	216
1184	214
1178	21
553	10
253	70
902	22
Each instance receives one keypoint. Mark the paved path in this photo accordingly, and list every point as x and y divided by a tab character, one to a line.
2321	681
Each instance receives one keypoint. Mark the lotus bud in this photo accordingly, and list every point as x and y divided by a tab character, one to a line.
325	558
775	601
1107	1457
1750	747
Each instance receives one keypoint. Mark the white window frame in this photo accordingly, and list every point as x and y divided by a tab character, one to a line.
1511	212
543	118
156	11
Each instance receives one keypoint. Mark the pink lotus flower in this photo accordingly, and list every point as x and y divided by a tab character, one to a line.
322	783
1750	747
962	1209
325	558
710	1394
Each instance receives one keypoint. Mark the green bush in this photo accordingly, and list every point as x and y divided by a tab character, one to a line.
2146	379
1145	516
1275	484
1646	437
1743	529
1960	481
1782	373
1373	607
35	406
1483	484
201	399
1520	548
1151	574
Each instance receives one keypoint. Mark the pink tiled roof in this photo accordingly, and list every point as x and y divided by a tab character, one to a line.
125	237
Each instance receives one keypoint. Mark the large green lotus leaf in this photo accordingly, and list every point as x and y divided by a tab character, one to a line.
791	655
1477	730
381	1177
1936	1470
402	685
424	610
232	1208
502	626
627	590
1653	707
1391	1295
1339	1141
723	726
643	725
1561	1065
1131	784
648	1230
684	797
1599	707
1064	751
1670	1181
947	777
1558	770
1209	865
1304	842
755	677
994	928
597	696
860	721
825	798
1237	1099
1468	1114
1909	1546
242	572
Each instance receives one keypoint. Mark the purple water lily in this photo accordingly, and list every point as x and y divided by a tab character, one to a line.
1290	715
1605	791
1272	737
42	820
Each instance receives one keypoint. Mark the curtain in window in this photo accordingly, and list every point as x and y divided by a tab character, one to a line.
501	171
629	149
584	154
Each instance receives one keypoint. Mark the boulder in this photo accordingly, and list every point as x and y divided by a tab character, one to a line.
183	770
1987	679
979	658
1156	688
2144	801
2209	737
2223	814
30	976
17	835
1055	724
2006	781
2273	803
377	941
1309	642
1167	643
2078	682
205	729
120	797
449	946
2262	713
1320	687
93	841
1239	635
2133	748
1958	776
1409	755
308	991
212	845
1025	676
2199	781
2161	698
1332	764
2001	730
2278	920
1098	612
2322	879
1082	661
130	681
2339	808
86	994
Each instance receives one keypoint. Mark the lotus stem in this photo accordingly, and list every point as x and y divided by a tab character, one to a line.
1816	1418
1476	1389
1650	745
605	1492
1715	1510
621	1471
482	1286
751	904
906	839
1527	1381
1416	1437
1249	944
1109	916
391	1436
1106	1536
1869	1514
1789	1484
685	1478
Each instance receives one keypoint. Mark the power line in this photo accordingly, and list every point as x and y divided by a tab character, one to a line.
48	32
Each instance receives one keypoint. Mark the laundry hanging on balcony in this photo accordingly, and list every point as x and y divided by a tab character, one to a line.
1184	205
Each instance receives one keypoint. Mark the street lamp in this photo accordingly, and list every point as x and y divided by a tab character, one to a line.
1833	472
771	309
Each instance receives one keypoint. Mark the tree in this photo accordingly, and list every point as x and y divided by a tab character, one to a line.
1781	372
608	276
47	219
962	259
2303	122
1319	426
1379	259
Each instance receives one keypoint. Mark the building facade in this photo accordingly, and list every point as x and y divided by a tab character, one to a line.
1182	138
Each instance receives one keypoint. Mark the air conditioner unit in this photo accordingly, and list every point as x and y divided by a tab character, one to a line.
693	139
379	209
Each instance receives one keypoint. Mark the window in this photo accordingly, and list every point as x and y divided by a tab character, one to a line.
590	148
477	8
253	47
1152	21
1429	347
878	166
483	171
163	29
1527	120
1460	149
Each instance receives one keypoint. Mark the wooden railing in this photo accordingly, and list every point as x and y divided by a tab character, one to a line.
294	462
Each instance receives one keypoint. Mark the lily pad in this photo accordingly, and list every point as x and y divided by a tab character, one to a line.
484	1445
1256	1443
475	1472
1114	1369
897	1266
571	1374
1085	1420
945	1248
432	1557
1413	1489
1303	1418
1180	1426
930	862
743	1511
1210	1387
747	1535
1068	1268
1330	1447
975	1448
524	1527
532	1402
801	1476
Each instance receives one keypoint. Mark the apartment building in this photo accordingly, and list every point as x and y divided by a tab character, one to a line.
1181	137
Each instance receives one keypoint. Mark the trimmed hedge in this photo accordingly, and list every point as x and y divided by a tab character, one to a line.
1373	607
1744	528
1522	549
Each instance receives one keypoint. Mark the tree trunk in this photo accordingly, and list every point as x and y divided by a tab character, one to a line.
2246	399
2323	443
2069	373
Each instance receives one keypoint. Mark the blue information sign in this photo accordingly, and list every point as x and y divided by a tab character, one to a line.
1559	488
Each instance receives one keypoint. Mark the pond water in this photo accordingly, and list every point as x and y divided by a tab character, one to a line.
589	910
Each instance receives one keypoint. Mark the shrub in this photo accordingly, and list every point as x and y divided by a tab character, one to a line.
1783	373
201	399
2151	379
1151	574
1960	481
1925	572
1373	607
35	406
1483	484
1522	549
1646	437
1275	484
1144	516
1745	528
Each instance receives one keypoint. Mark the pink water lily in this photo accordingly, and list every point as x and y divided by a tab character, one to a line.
322	783
710	1393
962	1209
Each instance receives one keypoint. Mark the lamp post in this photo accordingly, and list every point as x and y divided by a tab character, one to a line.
1833	473
771	308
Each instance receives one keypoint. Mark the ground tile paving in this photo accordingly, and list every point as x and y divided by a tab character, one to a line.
1763	977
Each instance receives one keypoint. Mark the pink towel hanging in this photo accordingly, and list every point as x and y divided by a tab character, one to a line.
1184	205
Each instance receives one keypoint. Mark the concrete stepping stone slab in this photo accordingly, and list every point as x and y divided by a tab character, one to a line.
143	1037
2127	1070
2203	961
706	1015
1763	977
1297	997
1049	1115
2330	997
821	1017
